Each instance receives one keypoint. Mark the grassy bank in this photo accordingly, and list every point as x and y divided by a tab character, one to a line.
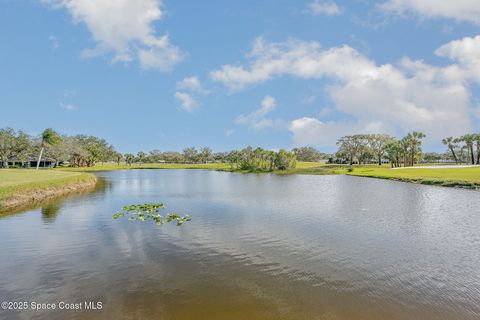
123	166
302	168
22	187
314	168
451	177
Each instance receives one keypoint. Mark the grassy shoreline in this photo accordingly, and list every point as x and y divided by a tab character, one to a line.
452	177
23	188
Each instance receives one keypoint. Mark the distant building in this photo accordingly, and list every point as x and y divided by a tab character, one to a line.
30	163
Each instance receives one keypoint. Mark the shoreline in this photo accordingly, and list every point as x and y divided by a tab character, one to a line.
464	177
429	182
415	175
33	195
17	196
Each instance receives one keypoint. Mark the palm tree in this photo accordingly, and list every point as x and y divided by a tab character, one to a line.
468	139
49	137
405	144
141	156
415	142
129	158
450	142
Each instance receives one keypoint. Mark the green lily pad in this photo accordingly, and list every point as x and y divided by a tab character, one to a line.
150	211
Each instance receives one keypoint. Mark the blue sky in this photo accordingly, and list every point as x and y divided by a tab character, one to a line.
151	74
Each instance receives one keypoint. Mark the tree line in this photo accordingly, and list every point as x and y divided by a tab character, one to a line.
407	151
464	149
368	148
248	158
19	148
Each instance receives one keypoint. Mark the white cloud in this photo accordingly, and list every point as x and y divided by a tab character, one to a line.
311	131
191	84
294	57
395	99
187	102
257	120
460	10
328	8
229	132
188	91
125	29
467	53
400	102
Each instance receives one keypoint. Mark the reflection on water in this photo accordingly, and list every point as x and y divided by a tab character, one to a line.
52	204
50	212
258	247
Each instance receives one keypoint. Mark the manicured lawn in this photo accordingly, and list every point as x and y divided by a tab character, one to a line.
316	168
123	166
20	181
466	177
450	176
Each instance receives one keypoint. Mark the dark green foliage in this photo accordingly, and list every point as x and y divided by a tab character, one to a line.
261	160
14	145
308	154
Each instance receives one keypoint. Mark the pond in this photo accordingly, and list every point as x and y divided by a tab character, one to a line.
258	247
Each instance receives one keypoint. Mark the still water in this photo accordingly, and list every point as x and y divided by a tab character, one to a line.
258	247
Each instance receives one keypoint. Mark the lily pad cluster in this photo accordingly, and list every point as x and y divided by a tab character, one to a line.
150	211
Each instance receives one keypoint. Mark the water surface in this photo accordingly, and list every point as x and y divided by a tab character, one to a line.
258	247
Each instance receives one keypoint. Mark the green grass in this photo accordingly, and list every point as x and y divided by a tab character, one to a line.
455	177
467	177
315	168
18	182
123	166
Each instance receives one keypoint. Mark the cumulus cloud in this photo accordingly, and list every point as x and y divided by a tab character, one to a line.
257	120
189	89
329	8
294	57
460	10
467	53
192	84
124	29
312	131
389	98
187	102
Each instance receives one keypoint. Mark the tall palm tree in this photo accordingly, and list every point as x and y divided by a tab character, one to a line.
405	144
469	139
415	142
450	143
49	137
